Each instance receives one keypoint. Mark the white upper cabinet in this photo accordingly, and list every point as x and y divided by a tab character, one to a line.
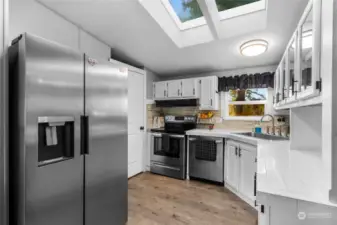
205	89
209	97
160	90
291	67
189	88
309	51
174	89
297	78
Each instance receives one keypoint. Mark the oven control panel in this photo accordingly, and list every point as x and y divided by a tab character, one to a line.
182	119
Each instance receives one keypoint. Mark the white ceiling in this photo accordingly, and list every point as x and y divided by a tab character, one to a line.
127	27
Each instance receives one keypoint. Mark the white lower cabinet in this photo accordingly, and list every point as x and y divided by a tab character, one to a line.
248	167
231	165
240	170
279	210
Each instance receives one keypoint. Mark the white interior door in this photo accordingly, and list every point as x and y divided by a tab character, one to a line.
135	123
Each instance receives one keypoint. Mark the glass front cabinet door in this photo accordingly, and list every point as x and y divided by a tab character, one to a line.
298	77
309	41
292	65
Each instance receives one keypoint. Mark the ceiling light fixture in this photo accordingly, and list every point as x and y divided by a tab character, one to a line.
254	47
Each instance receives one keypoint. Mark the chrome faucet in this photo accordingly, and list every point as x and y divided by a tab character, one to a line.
273	120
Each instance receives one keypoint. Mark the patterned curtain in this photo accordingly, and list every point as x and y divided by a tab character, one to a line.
258	80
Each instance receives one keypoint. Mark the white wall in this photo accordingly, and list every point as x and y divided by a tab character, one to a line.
92	46
32	17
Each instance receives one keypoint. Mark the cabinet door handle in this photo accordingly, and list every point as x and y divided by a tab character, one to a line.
239	152
164	93
192	139
193	91
236	151
211	102
255	179
178	92
154	90
218	142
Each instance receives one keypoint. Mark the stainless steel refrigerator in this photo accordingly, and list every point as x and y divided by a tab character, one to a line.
68	136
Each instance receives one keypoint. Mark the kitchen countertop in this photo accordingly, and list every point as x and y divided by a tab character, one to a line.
230	133
281	170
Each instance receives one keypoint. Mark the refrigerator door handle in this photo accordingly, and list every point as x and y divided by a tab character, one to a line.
84	135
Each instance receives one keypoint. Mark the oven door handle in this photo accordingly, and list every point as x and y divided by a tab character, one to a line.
218	141
176	136
156	135
192	139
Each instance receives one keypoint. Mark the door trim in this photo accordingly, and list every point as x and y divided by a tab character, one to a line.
145	154
4	21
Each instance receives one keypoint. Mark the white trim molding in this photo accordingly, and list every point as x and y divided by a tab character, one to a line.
4	43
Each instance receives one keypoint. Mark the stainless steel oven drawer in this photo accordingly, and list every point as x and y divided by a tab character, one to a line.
166	170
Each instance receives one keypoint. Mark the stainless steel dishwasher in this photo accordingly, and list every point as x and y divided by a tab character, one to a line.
206	158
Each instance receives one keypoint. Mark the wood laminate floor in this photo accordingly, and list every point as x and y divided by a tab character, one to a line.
159	200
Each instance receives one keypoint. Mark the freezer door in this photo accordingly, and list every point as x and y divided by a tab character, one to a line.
46	103
106	161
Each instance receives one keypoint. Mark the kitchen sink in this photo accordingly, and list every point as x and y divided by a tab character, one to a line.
264	136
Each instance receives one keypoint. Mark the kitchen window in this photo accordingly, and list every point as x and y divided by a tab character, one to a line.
246	104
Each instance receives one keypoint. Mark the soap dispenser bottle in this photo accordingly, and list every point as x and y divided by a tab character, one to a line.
258	128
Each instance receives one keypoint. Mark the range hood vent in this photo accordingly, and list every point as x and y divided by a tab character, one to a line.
177	103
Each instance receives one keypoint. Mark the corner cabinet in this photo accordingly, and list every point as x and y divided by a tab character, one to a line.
205	89
297	78
240	170
209	97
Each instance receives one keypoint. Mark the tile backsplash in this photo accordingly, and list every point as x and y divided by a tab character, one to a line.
218	122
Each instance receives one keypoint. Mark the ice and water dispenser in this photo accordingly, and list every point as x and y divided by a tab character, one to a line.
55	140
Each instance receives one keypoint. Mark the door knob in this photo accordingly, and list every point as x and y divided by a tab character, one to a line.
141	128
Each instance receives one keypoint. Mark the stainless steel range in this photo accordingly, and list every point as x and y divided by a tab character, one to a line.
168	146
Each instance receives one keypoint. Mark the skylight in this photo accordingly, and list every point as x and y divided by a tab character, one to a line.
232	8
186	13
229	4
186	10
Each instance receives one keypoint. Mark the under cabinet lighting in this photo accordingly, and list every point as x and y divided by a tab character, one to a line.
254	47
